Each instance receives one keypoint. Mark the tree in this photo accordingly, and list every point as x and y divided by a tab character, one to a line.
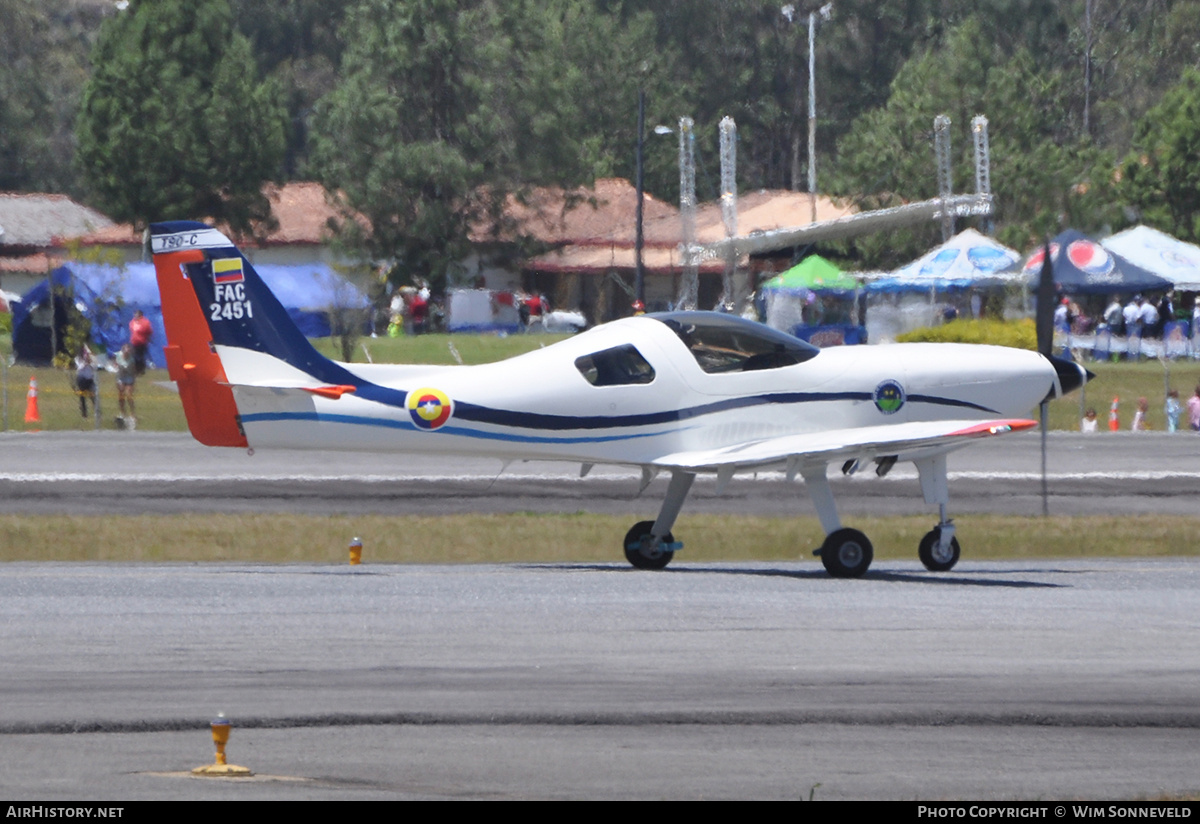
445	107
295	44
173	123
1162	175
1042	172
41	75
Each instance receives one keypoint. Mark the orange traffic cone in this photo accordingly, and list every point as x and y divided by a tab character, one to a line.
1114	420
31	403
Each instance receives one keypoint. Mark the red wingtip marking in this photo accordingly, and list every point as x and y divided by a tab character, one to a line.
333	392
211	412
996	427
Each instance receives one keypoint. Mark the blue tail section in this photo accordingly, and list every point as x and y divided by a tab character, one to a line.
238	307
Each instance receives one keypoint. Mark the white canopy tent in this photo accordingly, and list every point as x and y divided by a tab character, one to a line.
1160	254
967	259
907	298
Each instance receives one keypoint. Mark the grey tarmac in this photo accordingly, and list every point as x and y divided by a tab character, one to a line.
141	472
1030	680
997	681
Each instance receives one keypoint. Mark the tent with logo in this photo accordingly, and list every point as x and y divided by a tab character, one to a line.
1160	254
968	259
949	280
1082	266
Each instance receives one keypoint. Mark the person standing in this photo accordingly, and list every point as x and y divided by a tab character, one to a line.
1193	406
140	332
1139	418
1166	308
1133	327
1088	423
126	378
1114	318
1172	408
85	378
1148	315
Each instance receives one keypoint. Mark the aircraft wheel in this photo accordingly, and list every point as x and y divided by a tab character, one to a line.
640	558
846	553
933	559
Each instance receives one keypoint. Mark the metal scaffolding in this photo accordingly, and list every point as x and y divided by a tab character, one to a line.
689	286
941	148
728	131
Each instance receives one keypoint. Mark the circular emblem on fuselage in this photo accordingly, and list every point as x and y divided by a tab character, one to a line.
889	397
429	408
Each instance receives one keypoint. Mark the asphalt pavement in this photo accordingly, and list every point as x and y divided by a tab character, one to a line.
141	472
1030	680
1039	680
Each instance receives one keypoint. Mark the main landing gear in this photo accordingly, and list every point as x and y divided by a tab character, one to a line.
847	553
650	544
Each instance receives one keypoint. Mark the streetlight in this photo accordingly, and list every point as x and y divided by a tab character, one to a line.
639	282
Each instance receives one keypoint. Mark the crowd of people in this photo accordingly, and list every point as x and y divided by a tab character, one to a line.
1140	318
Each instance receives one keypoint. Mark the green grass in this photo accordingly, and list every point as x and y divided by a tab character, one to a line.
1128	381
158	407
578	538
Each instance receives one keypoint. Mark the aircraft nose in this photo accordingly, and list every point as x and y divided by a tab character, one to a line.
1071	376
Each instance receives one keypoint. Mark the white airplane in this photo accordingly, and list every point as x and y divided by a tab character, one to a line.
681	392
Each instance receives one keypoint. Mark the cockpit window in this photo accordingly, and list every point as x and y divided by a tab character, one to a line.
618	366
725	343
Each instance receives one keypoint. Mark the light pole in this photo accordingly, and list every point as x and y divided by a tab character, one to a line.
639	282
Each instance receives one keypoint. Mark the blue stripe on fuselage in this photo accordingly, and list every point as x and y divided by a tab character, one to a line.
526	420
357	420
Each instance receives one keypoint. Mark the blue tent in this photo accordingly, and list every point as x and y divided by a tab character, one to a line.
40	318
108	296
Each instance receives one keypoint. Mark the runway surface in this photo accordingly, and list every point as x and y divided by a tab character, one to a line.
999	681
136	472
1034	680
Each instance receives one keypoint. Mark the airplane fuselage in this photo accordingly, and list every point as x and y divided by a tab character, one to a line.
542	405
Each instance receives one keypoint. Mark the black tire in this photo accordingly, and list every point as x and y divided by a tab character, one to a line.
929	556
846	553
646	560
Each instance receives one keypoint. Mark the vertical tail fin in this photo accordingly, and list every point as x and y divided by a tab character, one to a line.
192	362
213	300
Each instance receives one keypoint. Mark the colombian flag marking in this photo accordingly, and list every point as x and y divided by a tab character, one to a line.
227	270
429	408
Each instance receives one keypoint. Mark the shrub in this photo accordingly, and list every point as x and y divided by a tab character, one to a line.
1018	334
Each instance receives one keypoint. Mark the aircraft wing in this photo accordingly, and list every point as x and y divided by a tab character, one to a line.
823	447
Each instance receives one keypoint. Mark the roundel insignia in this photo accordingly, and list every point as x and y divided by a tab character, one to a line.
889	397
429	408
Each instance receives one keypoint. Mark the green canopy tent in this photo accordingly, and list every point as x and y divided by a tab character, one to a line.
814	274
813	297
